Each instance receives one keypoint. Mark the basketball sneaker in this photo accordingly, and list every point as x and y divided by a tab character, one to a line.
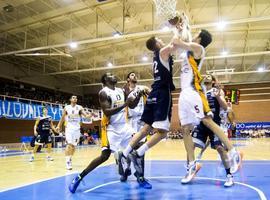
122	162
192	170
124	177
31	159
229	181
49	158
74	184
142	181
137	162
236	160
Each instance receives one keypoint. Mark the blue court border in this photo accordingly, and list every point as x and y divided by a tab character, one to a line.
252	182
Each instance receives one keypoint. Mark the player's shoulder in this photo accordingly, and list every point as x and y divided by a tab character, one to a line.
67	107
104	90
119	90
79	107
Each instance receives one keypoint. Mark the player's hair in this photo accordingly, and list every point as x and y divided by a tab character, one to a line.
206	38
103	79
129	74
73	96
151	43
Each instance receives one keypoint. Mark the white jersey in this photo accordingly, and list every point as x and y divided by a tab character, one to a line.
73	118
138	110
117	98
187	73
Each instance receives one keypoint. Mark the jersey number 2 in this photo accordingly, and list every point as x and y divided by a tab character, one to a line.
155	67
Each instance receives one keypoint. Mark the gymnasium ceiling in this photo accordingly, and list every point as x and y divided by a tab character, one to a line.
35	36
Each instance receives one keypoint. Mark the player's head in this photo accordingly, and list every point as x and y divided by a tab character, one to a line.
210	80
73	99
44	110
154	43
203	38
131	77
108	79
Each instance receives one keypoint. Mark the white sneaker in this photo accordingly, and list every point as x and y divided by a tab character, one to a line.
49	158
191	172
68	165
31	159
236	160
229	181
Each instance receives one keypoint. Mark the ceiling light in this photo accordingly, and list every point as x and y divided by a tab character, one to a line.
224	53
144	58
221	25
109	64
73	45
260	69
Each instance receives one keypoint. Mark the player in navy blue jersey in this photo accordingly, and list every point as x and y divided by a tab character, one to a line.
157	111
201	133
42	130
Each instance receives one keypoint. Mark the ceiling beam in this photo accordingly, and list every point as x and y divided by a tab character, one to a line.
149	64
135	35
176	78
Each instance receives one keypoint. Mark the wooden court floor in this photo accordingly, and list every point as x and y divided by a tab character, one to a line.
17	171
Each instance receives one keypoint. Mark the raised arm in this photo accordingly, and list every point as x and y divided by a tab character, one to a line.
188	46
166	51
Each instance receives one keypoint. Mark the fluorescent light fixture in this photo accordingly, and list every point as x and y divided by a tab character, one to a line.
144	58
109	64
221	25
73	45
260	69
224	53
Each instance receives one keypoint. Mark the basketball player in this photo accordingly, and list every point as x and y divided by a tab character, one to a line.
42	129
115	131
157	111
72	114
201	133
134	115
193	105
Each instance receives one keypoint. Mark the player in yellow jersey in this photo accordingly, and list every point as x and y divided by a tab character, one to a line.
193	105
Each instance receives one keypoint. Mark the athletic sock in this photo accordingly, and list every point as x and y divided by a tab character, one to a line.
141	151
127	150
233	151
68	158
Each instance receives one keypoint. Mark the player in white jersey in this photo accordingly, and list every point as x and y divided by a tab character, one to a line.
134	115
193	105
72	116
115	133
